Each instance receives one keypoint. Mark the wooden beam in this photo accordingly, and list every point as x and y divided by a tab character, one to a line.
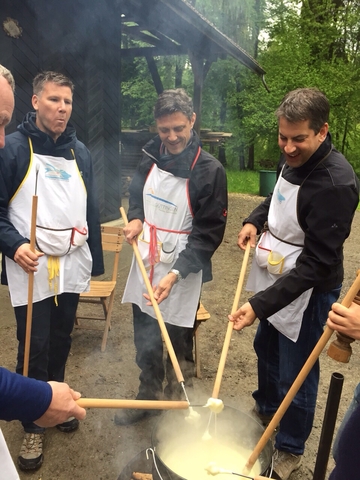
154	74
139	33
200	70
197	64
153	51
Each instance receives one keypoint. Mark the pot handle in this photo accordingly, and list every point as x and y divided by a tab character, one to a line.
152	452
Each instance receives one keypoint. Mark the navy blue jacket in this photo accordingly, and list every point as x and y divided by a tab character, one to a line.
22	398
14	163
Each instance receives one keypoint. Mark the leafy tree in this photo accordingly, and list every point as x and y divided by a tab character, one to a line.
315	44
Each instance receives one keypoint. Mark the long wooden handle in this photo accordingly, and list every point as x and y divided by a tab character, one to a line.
30	289
160	320
146	404
230	326
325	337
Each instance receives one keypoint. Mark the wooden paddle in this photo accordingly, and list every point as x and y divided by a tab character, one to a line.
146	404
158	314
325	337
230	326
30	284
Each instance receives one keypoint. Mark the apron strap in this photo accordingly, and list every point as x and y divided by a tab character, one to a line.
267	229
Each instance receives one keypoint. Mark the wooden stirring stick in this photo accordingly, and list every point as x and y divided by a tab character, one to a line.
230	326
29	310
146	404
160	320
314	355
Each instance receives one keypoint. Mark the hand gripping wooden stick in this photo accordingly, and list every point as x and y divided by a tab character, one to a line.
30	289
160	320
230	326
340	348
314	355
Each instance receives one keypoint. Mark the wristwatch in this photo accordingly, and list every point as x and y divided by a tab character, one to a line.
177	273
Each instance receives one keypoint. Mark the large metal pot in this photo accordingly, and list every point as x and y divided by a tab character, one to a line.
232	426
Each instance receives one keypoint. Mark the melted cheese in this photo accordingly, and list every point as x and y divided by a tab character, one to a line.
190	460
215	405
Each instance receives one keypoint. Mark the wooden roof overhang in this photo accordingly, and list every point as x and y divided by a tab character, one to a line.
175	27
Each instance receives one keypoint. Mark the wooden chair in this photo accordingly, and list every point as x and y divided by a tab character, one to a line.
201	315
102	292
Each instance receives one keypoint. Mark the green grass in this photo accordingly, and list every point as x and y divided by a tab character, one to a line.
246	181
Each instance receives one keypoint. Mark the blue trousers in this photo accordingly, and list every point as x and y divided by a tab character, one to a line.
50	339
279	362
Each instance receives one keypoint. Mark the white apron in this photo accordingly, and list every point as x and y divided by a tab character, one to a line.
61	229
7	470
168	216
274	258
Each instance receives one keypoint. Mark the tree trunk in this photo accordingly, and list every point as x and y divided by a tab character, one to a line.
178	73
251	159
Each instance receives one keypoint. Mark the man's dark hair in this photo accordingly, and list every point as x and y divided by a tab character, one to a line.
49	76
172	101
305	104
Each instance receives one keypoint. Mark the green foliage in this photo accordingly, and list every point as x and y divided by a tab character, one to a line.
303	51
138	91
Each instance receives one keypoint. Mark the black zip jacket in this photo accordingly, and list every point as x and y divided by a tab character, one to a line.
14	163
326	204
208	198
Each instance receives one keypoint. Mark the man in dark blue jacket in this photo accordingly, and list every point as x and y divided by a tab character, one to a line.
45	403
29	400
22	398
45	157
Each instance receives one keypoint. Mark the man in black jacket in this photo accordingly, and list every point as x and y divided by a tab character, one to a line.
45	157
177	215
298	267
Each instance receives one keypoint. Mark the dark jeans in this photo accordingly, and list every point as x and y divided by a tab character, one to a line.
50	339
279	362
355	402
149	357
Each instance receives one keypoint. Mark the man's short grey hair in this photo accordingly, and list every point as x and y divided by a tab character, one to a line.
4	72
172	101
305	104
50	76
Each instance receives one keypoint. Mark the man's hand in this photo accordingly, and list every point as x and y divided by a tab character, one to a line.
244	317
62	406
162	291
132	230
247	234
345	320
27	259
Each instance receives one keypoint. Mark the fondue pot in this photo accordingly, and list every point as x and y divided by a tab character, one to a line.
176	430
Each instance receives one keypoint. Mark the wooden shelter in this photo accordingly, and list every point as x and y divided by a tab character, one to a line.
83	39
